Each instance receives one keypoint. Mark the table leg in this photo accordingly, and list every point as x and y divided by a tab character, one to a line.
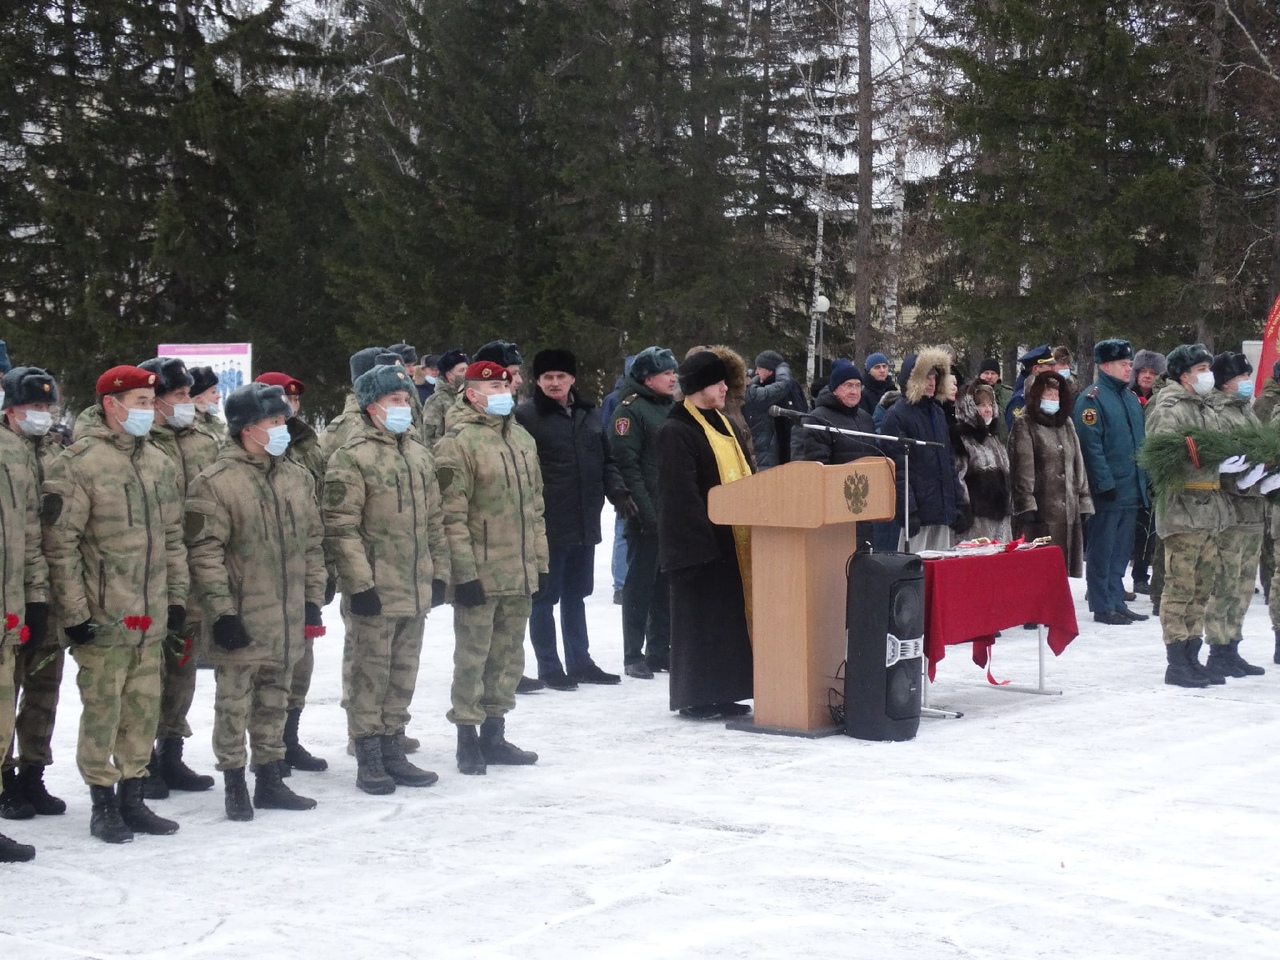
1041	645
926	710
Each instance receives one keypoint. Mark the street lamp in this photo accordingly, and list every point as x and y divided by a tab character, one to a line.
820	307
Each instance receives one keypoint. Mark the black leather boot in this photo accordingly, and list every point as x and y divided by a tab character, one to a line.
404	773
137	815
13	803
270	792
1179	673
495	748
371	775
11	851
470	759
237	802
105	821
295	754
1249	670
155	788
1193	658
31	782
1219	661
176	773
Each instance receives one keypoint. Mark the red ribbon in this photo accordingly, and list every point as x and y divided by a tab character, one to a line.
990	678
1195	454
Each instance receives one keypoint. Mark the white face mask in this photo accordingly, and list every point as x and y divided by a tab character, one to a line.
36	423
1049	407
184	415
277	440
396	419
137	422
1204	383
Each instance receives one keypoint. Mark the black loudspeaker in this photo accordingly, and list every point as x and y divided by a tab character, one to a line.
884	617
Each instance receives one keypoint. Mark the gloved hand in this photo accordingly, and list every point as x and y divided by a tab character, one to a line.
542	585
624	503
469	594
1028	517
1268	484
330	588
37	621
229	633
1106	496
962	522
1236	464
438	588
913	525
80	634
1252	477
313	616
366	603
177	618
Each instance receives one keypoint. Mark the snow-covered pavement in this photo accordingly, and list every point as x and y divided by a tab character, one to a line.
1123	819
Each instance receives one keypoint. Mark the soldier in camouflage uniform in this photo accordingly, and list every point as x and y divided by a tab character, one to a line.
191	448
453	375
304	450
491	485
340	429
118	575
254	539
204	394
1189	520
24	587
30	394
383	531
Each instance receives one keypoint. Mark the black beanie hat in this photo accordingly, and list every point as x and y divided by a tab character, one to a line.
770	360
544	361
1227	366
991	363
253	402
202	378
23	385
700	371
171	373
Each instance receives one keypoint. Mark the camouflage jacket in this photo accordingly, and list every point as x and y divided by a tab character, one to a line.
492	489
1200	506
434	410
304	450
1268	400
632	438
113	534
1248	508
44	450
255	547
382	519
191	449
340	429
24	576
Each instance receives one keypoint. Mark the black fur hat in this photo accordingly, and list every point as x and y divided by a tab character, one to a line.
1106	351
500	352
23	385
700	371
171	374
1227	366
252	403
562	361
202	378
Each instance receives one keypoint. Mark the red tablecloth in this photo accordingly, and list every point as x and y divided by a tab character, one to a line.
967	599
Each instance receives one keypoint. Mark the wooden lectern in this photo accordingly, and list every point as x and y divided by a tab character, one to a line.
802	518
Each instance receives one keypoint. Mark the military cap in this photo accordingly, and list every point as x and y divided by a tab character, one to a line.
651	361
252	403
408	354
171	373
381	380
1185	356
1227	366
125	377
488	370
363	360
500	351
1037	356
430	360
292	386
202	379
1107	351
23	385
451	358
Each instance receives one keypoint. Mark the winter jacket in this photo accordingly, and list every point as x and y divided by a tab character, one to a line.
254	544
113	534
24	576
1200	506
982	466
491	487
1247	506
383	519
190	449
833	448
873	391
610	402
1047	478
764	431
1110	424
434	410
934	487
1267	401
43	451
304	450
634	431
577	466
341	428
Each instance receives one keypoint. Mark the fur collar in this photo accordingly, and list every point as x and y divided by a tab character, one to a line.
926	360
1036	390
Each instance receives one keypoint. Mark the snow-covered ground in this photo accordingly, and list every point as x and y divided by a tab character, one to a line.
1123	819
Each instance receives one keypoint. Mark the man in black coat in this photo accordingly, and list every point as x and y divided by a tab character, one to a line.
578	472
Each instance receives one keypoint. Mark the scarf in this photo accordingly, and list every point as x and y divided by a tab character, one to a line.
732	465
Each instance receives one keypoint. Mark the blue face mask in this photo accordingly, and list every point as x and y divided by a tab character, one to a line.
432	380
396	419
1245	390
138	422
501	404
277	440
1065	374
1049	407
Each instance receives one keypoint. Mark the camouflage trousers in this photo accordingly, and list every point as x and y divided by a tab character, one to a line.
250	697
488	658
178	688
120	693
7	654
1239	549
36	689
300	682
1191	564
379	673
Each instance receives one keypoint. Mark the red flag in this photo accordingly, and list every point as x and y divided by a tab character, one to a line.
1270	348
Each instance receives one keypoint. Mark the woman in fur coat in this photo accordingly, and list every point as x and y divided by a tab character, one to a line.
1050	490
982	463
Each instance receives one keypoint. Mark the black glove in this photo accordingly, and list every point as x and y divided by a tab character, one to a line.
1028	518
330	588
469	594
913	525
438	588
312	615
1106	495
37	623
366	603
177	618
80	634
962	522
229	633
542	585
624	503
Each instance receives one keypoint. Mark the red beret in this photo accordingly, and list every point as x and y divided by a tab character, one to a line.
122	378
488	370
292	386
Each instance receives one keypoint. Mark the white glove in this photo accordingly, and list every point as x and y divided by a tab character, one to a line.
1236	464
1270	483
1252	477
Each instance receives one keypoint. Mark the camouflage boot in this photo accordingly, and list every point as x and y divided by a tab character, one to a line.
470	759
105	822
1233	647
371	775
1179	672
237	802
176	773
404	773
495	748
137	815
31	782
11	851
270	792
13	803
295	754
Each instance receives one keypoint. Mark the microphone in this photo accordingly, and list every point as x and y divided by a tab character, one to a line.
784	412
